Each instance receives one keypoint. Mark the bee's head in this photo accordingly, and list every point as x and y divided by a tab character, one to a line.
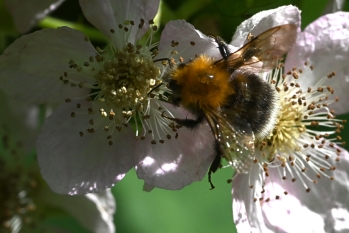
176	89
173	84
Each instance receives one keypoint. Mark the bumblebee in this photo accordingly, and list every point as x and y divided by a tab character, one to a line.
237	104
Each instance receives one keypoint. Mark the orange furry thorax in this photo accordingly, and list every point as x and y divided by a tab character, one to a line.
202	84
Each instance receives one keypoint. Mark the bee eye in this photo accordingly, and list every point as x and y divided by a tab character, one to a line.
181	65
173	85
176	101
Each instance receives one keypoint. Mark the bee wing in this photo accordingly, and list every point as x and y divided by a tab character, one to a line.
262	52
235	138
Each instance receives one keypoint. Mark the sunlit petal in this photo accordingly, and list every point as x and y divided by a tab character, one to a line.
68	156
265	20
327	37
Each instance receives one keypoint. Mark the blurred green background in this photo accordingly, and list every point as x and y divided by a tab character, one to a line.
195	208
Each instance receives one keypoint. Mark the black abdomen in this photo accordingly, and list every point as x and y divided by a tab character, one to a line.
255	101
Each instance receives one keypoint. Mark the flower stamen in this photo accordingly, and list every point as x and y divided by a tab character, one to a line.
123	78
301	143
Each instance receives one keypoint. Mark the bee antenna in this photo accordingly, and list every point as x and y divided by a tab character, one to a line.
222	45
156	87
165	59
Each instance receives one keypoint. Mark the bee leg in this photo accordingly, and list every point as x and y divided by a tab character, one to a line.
216	163
188	123
223	47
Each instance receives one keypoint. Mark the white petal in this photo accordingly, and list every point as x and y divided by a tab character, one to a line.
177	162
323	209
282	214
320	206
247	214
337	217
77	165
108	14
30	67
265	20
26	14
325	45
184	33
93	211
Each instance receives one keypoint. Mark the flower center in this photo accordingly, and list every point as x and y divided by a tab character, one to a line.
126	79
302	140
118	83
288	127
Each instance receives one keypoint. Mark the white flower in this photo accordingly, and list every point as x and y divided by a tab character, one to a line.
24	195
301	185
26	14
88	144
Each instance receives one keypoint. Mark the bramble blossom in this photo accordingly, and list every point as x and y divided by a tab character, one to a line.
299	181
108	123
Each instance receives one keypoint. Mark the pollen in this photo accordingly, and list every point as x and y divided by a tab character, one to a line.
117	81
202	84
123	77
305	134
302	109
126	78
